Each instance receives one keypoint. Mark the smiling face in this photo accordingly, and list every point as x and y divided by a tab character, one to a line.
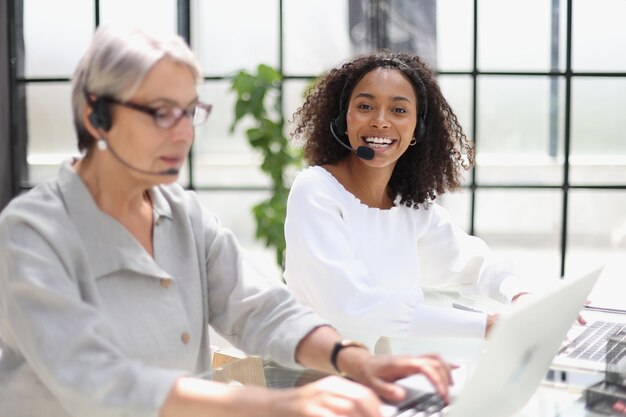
134	134
382	115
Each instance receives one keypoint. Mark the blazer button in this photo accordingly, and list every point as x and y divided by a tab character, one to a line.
165	283
185	337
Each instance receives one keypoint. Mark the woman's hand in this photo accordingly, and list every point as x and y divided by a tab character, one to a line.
376	372
380	371
491	320
328	397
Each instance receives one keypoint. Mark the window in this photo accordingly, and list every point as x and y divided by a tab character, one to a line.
539	84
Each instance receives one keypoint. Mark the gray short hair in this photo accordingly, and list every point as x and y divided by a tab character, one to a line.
115	65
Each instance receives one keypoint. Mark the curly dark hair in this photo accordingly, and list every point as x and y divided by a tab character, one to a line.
431	167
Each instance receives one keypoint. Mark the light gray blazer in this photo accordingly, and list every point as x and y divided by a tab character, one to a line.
92	325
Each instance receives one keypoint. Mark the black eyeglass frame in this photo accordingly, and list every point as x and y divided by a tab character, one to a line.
154	111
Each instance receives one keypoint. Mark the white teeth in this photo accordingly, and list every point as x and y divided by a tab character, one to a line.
382	141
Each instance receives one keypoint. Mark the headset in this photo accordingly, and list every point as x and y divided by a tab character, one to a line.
100	116
338	125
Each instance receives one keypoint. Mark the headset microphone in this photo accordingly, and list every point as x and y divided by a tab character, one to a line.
103	144
362	152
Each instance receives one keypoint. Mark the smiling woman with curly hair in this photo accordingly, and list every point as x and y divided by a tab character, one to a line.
431	167
364	234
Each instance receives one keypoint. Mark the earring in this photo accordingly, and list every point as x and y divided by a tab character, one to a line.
102	144
413	141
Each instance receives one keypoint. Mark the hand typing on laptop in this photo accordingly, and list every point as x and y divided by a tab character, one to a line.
383	370
376	377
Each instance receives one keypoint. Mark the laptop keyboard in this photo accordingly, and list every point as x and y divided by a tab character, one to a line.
424	405
591	343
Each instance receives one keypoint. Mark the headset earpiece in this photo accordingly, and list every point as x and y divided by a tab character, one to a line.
100	116
93	119
421	129
339	124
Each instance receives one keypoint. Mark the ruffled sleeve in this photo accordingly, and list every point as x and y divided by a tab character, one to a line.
452	258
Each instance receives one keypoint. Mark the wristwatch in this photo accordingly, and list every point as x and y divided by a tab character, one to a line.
342	344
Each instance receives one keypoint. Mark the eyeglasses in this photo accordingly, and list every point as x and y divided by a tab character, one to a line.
166	117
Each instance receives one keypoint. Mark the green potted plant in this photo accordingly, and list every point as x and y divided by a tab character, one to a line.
259	98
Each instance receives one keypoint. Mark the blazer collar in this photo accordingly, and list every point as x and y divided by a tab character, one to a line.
108	245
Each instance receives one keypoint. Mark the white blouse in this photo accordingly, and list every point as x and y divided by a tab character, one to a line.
364	269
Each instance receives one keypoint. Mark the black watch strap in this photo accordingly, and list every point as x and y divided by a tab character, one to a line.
342	344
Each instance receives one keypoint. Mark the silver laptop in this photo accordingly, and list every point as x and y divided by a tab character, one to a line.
586	346
515	359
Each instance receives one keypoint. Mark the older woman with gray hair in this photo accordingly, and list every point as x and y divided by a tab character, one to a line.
111	273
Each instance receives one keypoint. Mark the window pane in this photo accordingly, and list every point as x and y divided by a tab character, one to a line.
53	49
235	34
214	134
50	129
162	14
309	50
517	35
599	35
234	209
598	141
221	157
455	35
522	226
459	205
293	98
597	236
517	139
457	90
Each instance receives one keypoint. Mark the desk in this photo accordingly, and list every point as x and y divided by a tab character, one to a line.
549	399
558	399
552	399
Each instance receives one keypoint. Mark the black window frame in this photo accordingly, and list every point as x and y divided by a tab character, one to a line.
16	140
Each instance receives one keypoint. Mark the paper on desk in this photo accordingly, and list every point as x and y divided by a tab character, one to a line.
608	292
444	298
